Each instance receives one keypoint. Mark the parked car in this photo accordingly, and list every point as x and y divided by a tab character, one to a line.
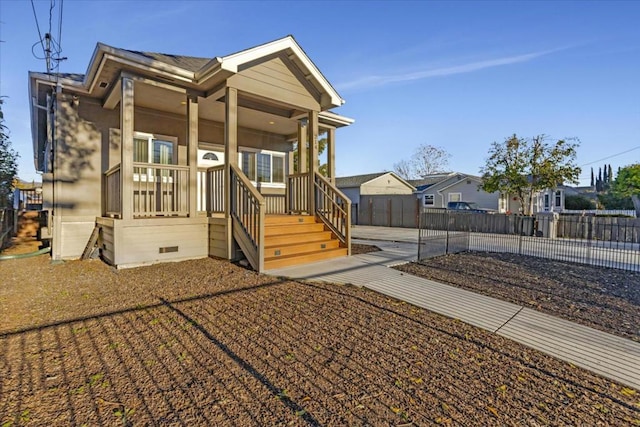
468	207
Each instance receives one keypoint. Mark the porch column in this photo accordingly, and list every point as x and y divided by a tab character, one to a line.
331	155
230	143
126	148
313	157
192	142
302	146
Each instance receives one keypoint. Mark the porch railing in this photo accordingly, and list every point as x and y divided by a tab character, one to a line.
296	193
333	208
248	213
160	190
215	189
113	204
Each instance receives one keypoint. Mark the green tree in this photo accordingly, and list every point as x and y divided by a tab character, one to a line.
8	163
426	160
322	145
521	167
627	184
578	202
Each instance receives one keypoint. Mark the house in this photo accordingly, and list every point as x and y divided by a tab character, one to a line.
166	157
366	190
436	190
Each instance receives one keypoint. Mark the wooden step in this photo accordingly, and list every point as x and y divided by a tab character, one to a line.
288	219
290	239
300	248
286	261
278	230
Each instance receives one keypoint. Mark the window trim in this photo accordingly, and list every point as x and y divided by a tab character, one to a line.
156	136
271	153
433	199
459	195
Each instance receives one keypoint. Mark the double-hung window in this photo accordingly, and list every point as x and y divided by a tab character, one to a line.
265	167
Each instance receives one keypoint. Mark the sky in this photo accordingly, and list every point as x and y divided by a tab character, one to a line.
459	75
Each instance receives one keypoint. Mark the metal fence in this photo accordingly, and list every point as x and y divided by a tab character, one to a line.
605	242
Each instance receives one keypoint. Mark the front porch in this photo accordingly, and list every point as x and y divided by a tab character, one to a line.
309	222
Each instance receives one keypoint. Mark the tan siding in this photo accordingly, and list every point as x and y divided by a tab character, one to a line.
75	236
137	242
218	246
385	184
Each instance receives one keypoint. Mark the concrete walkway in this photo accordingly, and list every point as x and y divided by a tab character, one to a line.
605	354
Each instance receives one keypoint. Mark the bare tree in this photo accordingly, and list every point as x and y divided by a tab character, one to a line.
426	160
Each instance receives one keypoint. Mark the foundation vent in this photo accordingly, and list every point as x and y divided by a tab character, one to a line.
168	249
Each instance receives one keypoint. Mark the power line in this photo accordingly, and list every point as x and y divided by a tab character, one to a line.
35	16
611	156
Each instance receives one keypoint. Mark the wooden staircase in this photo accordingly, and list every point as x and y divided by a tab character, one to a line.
297	239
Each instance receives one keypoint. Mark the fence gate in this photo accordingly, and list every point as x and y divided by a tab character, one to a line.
442	233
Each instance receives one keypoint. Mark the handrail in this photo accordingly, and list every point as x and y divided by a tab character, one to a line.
333	208
248	214
113	195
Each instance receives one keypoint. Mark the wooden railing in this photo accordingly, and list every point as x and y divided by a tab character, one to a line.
215	189
296	193
160	190
333	208
247	213
113	196
275	203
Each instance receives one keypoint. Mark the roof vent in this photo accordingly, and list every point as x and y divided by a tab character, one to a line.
103	85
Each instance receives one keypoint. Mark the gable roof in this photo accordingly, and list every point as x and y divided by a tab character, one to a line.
359	180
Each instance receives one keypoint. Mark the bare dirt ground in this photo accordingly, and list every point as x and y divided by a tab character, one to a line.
208	343
603	298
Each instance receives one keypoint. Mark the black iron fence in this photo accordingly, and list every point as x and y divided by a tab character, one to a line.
598	241
7	225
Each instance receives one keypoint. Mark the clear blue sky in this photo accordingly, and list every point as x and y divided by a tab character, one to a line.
456	74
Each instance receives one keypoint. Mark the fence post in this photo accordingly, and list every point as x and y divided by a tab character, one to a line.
589	239
446	245
521	219
419	237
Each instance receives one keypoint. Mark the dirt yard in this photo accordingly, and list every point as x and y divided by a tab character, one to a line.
602	298
204	343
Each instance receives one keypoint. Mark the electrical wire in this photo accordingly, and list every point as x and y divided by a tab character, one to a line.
611	156
33	7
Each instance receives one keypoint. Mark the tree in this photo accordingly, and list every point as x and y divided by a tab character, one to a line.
426	160
593	183
521	167
627	184
322	145
578	202
8	163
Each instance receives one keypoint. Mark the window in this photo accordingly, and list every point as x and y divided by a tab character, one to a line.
429	200
210	156
558	201
455	197
149	148
264	166
546	202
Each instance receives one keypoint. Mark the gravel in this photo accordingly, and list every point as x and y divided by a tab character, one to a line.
602	298
206	342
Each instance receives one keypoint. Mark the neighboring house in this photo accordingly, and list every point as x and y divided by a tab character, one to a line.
381	183
371	193
27	195
547	200
171	157
436	190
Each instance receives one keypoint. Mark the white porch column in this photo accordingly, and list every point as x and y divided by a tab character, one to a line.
230	142
331	155
313	157
302	146
126	147
192	149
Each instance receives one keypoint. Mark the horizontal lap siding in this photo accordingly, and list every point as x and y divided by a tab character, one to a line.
218	238
139	244
74	238
274	80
